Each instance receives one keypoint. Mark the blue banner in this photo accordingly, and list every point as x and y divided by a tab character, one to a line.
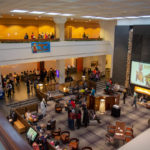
40	47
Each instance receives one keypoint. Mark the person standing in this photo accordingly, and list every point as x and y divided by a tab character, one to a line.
26	36
43	107
124	95
28	86
85	117
9	88
134	100
93	92
78	119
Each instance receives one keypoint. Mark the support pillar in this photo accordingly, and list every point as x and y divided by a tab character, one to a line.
40	65
60	28
60	65
107	32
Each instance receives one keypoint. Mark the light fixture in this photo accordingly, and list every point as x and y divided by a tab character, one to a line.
87	16
19	17
36	12
131	17
144	16
66	15
18	11
52	13
102	106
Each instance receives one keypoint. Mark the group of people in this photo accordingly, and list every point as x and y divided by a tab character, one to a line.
79	115
9	82
40	36
94	75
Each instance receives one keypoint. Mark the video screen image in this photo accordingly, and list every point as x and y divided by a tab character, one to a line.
140	74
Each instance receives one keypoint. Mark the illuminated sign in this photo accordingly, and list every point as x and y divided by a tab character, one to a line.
142	90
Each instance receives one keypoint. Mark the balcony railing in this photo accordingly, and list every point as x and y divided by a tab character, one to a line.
27	40
46	40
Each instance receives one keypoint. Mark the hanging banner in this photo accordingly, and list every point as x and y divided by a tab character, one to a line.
40	47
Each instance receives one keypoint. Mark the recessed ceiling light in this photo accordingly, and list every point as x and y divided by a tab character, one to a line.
66	15
144	16
131	17
19	11
87	16
52	13
37	12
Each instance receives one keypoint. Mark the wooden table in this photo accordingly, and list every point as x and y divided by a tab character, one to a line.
120	131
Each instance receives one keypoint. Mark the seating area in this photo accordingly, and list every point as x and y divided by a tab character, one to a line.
119	131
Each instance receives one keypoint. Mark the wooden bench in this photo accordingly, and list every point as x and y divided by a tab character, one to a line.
19	126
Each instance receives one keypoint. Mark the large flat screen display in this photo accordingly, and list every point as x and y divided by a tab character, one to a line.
140	74
31	134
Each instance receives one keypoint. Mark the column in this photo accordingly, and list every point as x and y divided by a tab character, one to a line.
60	28
0	81
60	65
107	32
102	63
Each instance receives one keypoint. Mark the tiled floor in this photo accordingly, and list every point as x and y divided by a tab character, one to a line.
94	134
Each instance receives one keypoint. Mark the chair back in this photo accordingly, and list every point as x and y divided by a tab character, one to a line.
86	148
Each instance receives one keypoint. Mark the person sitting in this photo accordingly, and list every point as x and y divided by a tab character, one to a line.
93	116
29	117
58	107
12	117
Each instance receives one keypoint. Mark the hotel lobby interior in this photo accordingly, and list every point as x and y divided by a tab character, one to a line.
74	75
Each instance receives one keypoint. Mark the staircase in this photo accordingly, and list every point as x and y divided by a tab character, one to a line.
25	102
100	85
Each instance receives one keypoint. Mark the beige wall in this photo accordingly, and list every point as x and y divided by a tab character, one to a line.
18	68
100	59
108	60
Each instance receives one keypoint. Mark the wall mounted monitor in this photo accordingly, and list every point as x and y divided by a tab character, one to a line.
140	74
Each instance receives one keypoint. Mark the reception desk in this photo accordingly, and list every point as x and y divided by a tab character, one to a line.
94	102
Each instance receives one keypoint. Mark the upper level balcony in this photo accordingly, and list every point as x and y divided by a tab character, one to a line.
19	51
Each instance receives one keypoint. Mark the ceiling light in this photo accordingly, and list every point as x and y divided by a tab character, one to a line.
66	15
144	16
19	17
52	13
131	17
19	11
87	16
37	12
118	18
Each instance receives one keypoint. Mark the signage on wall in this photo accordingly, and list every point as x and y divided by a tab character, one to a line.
40	47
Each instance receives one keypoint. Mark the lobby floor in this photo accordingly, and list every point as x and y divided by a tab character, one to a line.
94	134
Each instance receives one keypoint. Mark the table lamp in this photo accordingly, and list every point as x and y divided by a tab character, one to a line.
102	106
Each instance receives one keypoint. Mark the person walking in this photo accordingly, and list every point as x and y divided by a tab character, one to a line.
43	107
124	95
134	100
